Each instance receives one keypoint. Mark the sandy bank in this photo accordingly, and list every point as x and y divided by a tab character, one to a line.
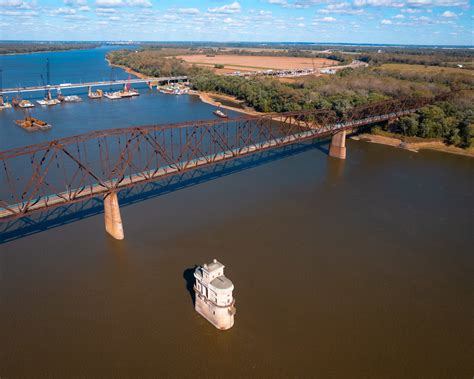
213	99
414	146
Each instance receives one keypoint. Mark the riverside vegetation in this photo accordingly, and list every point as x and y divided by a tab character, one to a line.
26	47
390	74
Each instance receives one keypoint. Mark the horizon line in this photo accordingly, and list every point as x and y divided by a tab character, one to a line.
246	42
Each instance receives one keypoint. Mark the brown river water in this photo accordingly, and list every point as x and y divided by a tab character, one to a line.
343	269
359	268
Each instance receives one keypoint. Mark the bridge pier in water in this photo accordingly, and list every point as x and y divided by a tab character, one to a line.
112	218
337	148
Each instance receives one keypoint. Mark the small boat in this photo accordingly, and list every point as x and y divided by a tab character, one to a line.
68	99
128	92
220	114
48	100
72	99
18	102
112	95
4	104
123	94
95	95
26	104
173	89
32	124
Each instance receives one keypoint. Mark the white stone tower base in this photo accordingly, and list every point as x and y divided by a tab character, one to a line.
221	317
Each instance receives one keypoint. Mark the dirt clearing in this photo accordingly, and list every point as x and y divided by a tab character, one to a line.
233	63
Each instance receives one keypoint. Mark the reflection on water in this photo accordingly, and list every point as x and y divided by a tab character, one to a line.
48	219
358	268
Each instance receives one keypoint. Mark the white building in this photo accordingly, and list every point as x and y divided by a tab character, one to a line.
329	71
214	299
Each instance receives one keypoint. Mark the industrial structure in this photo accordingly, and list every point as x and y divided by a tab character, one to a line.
47	87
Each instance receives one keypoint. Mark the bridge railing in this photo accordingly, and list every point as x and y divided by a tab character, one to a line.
75	168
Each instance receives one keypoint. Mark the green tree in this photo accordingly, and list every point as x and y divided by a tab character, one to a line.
408	125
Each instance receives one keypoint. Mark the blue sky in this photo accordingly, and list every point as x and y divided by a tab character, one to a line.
447	22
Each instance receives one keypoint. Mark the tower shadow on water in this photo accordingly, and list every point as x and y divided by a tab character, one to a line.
188	276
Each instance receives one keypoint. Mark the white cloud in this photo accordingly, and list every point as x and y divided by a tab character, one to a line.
110	3
15	4
105	10
326	19
140	3
123	3
438	3
170	17
378	3
188	10
64	11
17	13
386	22
84	8
229	8
449	14
74	3
399	16
11	3
340	8
342	5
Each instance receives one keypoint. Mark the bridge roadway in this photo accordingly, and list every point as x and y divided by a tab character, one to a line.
93	84
98	189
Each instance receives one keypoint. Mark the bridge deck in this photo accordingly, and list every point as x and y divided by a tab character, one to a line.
92	84
98	189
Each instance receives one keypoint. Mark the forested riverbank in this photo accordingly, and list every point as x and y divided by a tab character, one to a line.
450	120
11	48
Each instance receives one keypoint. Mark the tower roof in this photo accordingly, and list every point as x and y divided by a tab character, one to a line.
213	266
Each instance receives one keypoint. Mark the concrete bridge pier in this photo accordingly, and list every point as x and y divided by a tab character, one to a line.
113	220
337	148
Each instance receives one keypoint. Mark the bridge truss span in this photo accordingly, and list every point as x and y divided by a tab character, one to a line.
72	169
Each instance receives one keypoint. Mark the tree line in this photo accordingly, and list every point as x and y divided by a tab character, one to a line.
23	48
452	120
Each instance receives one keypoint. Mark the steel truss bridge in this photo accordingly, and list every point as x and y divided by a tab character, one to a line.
74	169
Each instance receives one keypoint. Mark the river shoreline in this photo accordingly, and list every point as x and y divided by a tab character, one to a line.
45	51
413	146
220	100
128	70
206	97
213	99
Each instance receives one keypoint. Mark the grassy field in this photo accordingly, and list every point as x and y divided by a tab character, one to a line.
424	69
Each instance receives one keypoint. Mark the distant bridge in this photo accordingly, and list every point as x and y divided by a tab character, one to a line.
101	163
63	86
